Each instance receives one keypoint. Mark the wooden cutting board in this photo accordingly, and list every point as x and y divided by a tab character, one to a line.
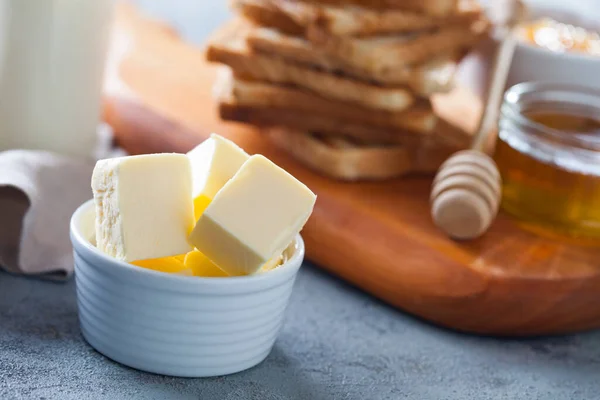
378	236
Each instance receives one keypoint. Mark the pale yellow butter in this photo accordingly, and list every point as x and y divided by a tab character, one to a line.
214	162
144	206
253	218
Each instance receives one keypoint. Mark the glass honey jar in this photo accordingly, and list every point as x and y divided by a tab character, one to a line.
548	154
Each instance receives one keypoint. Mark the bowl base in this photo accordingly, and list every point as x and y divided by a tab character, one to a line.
166	369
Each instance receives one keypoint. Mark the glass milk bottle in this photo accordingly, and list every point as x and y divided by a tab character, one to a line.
52	57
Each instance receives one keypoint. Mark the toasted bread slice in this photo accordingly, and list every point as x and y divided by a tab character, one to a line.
376	54
304	121
345	159
443	135
419	119
429	7
293	17
270	41
229	47
307	120
341	158
299	120
264	13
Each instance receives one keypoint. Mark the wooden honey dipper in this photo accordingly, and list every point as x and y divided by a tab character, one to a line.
466	191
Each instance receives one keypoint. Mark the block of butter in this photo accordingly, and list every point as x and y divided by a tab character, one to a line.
144	206
253	218
214	162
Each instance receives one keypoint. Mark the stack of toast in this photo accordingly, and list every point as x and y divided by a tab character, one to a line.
345	85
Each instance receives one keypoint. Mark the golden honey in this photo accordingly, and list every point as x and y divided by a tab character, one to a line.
559	37
548	154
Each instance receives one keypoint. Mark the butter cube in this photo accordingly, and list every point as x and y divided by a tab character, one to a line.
144	207
253	218
214	162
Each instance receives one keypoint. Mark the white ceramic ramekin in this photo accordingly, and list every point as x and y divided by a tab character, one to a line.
177	325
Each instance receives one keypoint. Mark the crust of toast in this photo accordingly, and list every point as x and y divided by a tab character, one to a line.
293	17
444	136
430	7
365	134
376	54
228	46
386	59
438	71
418	119
266	14
304	121
340	158
345	159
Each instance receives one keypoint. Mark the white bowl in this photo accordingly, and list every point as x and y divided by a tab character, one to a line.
532	63
177	325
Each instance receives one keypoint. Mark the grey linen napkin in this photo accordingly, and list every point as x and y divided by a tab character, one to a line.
39	191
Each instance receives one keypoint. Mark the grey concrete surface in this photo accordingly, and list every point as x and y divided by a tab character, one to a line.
337	343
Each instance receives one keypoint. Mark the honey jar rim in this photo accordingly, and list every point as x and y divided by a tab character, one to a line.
528	94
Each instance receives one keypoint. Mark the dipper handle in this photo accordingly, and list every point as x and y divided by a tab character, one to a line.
466	191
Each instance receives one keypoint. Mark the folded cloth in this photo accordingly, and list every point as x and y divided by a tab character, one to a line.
39	191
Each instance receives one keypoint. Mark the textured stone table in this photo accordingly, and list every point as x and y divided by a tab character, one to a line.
337	343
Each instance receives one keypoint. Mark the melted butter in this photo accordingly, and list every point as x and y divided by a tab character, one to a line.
169	265
200	204
197	264
202	266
